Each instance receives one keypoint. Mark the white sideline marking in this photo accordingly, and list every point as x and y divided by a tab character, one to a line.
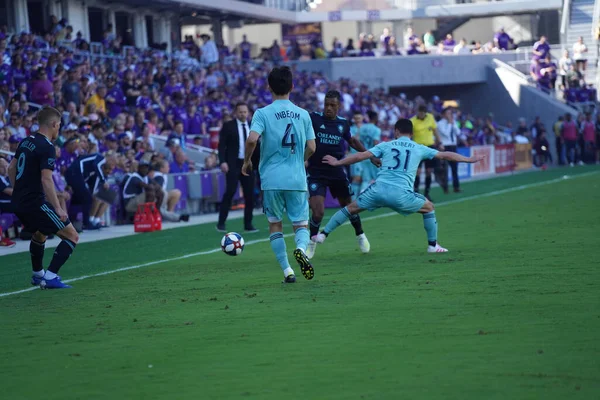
202	253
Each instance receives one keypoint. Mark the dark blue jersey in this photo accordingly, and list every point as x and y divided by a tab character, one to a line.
90	167
331	135
34	154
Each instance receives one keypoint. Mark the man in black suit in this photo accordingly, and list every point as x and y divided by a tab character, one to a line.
232	143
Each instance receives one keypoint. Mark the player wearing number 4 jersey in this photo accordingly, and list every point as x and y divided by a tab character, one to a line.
288	140
35	202
393	187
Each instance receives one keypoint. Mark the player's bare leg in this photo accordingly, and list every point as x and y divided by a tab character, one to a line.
339	218
363	242
173	197
430	224
317	208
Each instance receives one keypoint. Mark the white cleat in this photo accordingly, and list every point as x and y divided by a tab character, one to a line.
580	163
436	249
311	249
319	238
363	243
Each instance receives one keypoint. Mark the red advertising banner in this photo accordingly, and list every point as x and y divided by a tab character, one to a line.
504	157
487	165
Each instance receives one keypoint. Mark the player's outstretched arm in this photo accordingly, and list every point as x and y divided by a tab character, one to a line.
351	159
451	156
12	171
250	146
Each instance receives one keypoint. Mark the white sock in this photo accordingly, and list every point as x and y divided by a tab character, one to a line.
91	220
49	275
39	274
96	220
288	271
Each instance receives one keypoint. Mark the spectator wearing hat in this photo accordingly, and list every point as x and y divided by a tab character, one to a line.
210	53
111	142
125	141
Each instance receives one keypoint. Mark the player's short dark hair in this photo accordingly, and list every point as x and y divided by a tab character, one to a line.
372	115
240	104
280	80
333	94
177	122
422	108
404	126
47	115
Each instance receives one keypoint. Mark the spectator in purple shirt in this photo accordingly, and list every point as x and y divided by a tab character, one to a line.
173	86
195	122
502	40
115	98
178	111
144	102
541	49
449	43
180	164
245	49
41	89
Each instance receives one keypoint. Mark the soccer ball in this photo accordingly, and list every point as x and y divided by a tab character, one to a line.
232	244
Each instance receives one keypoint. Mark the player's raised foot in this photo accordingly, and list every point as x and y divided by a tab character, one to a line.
289	279
305	265
311	249
363	243
55	283
319	238
436	249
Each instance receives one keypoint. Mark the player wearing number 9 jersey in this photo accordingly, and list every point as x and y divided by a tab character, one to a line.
393	187
288	140
35	202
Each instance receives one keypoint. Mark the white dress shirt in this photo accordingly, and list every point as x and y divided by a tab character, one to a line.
242	139
448	131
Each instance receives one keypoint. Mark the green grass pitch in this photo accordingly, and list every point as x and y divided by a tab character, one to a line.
512	312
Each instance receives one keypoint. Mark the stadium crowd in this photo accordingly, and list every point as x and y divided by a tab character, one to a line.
112	107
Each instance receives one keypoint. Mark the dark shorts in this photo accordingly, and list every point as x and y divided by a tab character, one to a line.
339	187
41	219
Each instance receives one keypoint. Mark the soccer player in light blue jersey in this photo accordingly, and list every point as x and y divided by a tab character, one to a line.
288	140
369	135
393	187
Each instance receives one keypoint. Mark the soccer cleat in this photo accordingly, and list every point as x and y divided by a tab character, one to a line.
290	279
580	163
221	228
311	249
305	265
55	283
319	238
250	229
363	243
36	280
6	242
436	249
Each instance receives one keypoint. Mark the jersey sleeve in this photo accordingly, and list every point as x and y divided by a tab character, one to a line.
378	150
48	158
427	153
347	135
258	122
310	131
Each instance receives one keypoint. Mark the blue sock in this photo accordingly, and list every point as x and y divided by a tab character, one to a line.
302	237
278	247
338	219
61	255
430	224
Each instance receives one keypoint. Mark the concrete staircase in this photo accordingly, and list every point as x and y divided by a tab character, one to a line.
581	24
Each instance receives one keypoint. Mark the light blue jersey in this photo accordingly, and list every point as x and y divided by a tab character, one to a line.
369	134
284	128
400	160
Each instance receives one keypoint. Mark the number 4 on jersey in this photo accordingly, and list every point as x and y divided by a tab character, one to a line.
289	139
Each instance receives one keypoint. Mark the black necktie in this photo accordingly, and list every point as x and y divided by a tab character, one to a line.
245	132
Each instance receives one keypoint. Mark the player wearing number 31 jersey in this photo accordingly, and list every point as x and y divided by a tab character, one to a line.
288	140
393	187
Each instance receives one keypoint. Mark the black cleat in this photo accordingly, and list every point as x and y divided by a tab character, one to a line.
305	265
184	218
290	279
250	229
221	228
